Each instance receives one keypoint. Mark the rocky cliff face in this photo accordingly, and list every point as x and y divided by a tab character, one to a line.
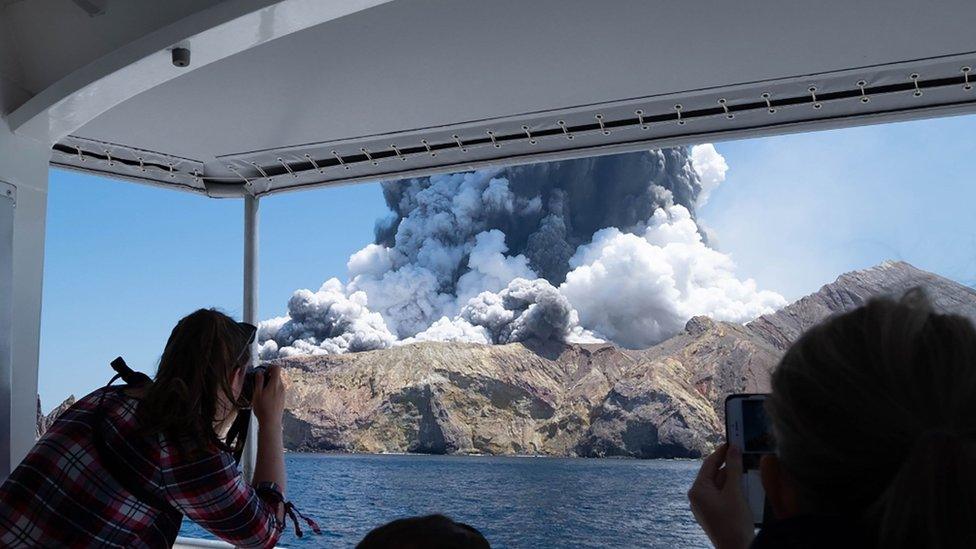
576	400
44	422
850	290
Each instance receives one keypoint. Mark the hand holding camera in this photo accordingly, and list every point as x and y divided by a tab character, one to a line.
268	400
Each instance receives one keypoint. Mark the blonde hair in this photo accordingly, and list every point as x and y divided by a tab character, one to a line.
874	412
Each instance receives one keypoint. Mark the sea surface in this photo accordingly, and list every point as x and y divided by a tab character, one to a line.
514	502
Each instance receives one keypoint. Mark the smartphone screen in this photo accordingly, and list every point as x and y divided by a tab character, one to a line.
748	428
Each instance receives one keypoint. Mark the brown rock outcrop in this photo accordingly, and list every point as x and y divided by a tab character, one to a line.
45	422
575	400
588	400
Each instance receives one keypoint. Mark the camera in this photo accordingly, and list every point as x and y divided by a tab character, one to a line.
237	433
247	392
181	57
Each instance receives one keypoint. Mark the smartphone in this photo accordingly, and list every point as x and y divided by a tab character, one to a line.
748	428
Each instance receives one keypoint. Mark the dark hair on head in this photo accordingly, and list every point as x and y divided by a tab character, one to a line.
874	414
202	352
427	532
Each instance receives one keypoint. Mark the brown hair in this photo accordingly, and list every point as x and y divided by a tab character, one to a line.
428	532
874	412
202	352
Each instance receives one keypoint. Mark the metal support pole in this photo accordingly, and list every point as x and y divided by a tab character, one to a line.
24	170
251	315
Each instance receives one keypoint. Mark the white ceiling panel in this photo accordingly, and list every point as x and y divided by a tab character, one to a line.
357	98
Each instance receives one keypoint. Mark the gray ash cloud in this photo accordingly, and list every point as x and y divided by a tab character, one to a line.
602	247
557	206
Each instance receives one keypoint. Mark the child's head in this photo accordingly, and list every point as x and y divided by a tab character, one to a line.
428	532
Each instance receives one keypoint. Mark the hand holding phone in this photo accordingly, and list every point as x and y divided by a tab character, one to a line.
747	428
717	501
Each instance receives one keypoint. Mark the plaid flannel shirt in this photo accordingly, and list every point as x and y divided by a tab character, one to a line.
61	495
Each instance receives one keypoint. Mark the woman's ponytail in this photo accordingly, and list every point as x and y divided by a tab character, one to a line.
931	502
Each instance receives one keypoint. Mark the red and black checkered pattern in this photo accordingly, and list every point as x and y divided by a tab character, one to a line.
61	495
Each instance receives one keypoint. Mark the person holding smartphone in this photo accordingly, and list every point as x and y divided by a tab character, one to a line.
873	415
124	464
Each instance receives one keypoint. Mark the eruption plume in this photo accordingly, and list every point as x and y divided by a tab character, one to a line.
572	251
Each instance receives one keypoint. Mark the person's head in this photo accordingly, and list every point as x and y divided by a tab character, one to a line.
198	383
428	532
874	415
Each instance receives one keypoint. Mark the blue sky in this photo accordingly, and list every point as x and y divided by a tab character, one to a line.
796	211
124	262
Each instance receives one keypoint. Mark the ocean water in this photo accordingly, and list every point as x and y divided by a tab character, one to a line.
514	502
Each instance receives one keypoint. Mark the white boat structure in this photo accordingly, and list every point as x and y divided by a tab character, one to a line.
240	99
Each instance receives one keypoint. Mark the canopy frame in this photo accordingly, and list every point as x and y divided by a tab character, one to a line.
906	91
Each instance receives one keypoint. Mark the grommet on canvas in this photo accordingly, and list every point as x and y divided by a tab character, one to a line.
369	156
172	174
562	124
397	151
918	90
640	119
599	119
491	135
528	134
813	97
769	106
965	77
677	108
287	167
108	155
238	174
725	107
457	139
142	165
339	158
313	163
864	95
260	170
427	146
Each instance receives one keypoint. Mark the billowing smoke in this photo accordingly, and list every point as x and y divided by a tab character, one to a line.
525	309
569	251
710	167
544	210
638	289
329	321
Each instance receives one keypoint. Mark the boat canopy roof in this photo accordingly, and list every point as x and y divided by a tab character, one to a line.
291	94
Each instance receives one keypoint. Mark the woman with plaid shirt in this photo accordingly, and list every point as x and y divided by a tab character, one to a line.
123	465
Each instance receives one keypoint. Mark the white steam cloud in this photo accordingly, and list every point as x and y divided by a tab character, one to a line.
710	167
571	251
638	289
